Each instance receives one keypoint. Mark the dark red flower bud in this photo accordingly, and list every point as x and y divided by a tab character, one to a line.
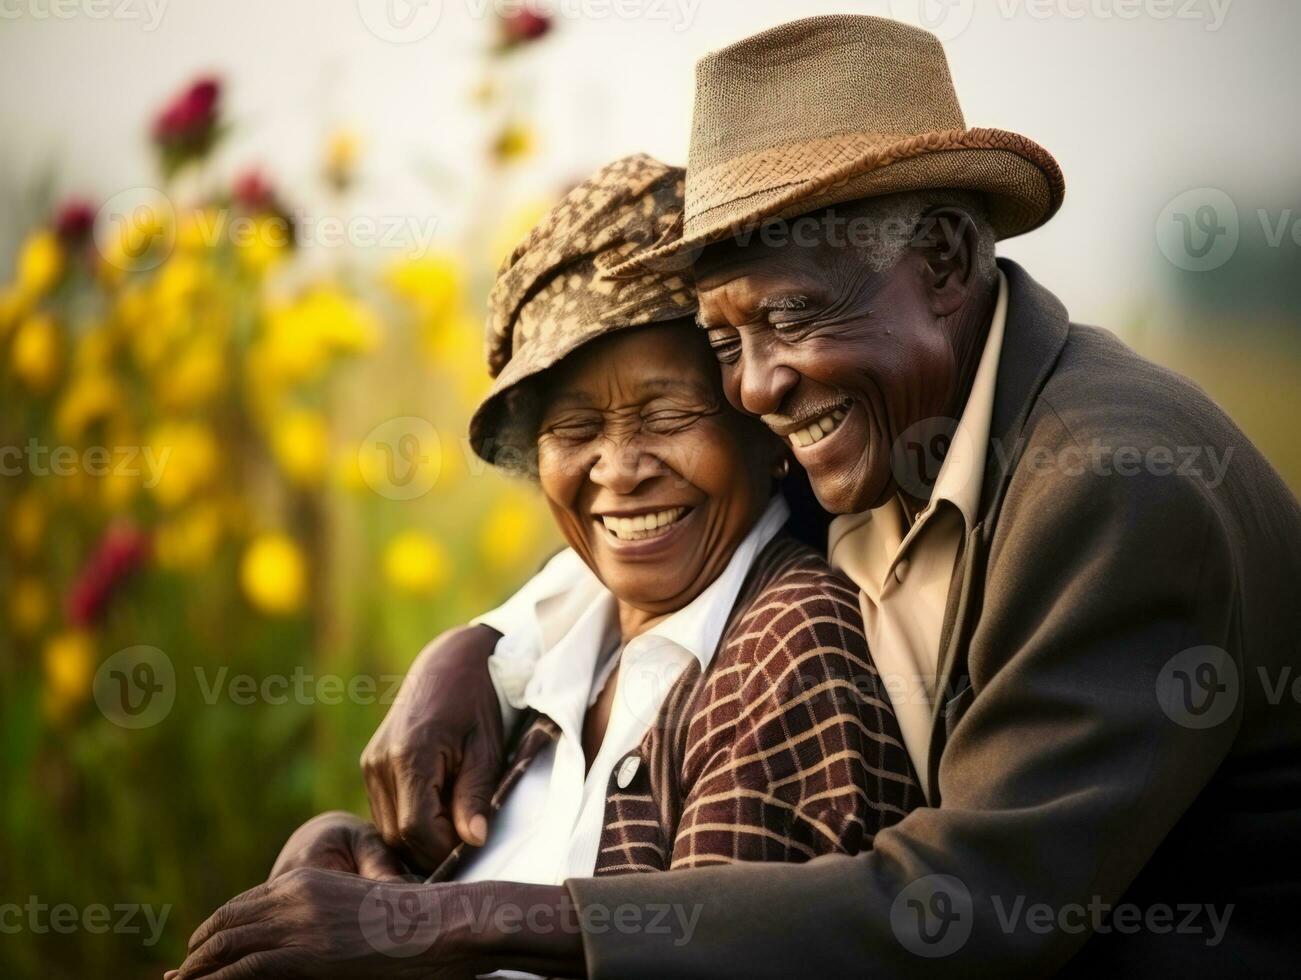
524	26
253	191
121	551
74	221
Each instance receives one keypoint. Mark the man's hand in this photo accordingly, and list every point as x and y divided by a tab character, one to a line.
328	924
339	841
440	743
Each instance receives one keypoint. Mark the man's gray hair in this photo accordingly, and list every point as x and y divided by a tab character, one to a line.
893	223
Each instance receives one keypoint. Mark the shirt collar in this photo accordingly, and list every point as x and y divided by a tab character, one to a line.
698	626
569	662
963	468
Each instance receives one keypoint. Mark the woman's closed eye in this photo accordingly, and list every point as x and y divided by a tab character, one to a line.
726	345
574	429
667	421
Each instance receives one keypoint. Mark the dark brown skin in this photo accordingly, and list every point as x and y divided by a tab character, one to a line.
426	738
310	923
897	347
636	423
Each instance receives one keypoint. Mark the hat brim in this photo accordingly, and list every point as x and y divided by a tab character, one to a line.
490	418
1020	179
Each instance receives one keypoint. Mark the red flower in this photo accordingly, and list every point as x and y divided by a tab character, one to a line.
74	220
121	551
253	191
190	114
522	27
187	127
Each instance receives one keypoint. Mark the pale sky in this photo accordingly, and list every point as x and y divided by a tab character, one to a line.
1139	100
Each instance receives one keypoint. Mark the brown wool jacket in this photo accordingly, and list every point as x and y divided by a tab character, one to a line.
785	749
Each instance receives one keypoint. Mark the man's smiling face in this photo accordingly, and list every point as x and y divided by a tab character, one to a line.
834	357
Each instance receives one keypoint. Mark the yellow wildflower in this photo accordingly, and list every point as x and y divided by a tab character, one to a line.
14	304
144	239
69	661
301	443
27	519
200	229
187	541
262	245
29	605
341	152
187	457
37	352
416	563
195	377
514	143
273	575
434	284
90	397
300	336
510	533
40	263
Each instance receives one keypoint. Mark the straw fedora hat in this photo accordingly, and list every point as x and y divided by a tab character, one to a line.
828	110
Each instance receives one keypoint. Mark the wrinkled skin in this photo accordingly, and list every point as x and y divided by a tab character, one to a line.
446	720
328	924
636	423
802	327
339	841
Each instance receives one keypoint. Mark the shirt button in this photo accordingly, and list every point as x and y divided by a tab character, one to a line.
627	771
901	571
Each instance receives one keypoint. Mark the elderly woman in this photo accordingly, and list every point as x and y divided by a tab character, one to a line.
702	691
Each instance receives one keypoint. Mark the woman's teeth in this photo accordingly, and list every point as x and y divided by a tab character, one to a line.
643	525
817	431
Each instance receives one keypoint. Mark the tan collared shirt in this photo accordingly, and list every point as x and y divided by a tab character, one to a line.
903	572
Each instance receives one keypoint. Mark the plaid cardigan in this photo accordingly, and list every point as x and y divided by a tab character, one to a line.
785	749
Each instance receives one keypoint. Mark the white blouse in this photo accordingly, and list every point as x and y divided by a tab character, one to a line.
560	637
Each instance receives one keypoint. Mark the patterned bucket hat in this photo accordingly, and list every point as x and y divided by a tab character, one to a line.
827	110
555	292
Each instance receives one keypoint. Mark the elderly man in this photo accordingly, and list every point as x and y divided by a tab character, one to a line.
1077	576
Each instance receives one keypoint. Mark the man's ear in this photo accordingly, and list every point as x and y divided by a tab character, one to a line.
947	241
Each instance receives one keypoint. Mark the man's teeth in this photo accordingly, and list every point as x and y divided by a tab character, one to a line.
817	431
643	525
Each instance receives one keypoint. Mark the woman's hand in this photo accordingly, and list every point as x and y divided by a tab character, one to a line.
339	841
325	924
441	739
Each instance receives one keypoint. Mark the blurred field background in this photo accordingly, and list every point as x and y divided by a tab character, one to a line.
244	253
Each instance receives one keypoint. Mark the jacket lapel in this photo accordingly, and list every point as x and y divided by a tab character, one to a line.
1033	337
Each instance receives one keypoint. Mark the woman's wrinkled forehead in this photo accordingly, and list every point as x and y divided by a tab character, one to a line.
635	368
